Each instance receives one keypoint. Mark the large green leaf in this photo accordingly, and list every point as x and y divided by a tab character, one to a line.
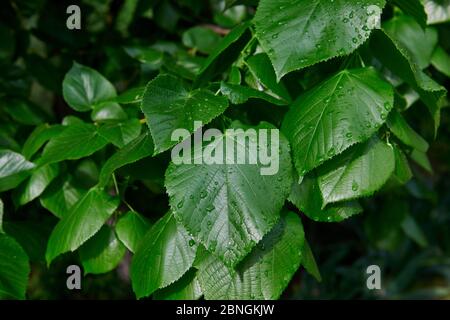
224	53
401	129
359	172
265	273
399	61
83	220
307	198
120	133
39	137
131	228
33	188
345	109
14	168
137	149
75	142
420	43
60	196
169	105
165	254
230	207
84	88
102	253
295	34
14	269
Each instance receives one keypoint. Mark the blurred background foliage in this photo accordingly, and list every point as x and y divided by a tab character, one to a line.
405	231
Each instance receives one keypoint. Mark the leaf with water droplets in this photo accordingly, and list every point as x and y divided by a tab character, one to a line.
358	172
346	109
295	34
264	273
230	207
168	105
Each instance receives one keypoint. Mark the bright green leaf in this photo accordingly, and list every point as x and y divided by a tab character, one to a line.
120	133
14	168
187	288
39	137
131	228
346	109
239	94
401	129
441	61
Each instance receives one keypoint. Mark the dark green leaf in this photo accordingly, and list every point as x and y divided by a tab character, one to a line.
39	137
120	133
401	129
239	94
187	288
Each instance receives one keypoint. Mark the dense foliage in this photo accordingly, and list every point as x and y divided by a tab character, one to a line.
357	90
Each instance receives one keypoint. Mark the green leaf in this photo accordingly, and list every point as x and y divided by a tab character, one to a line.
14	168
131	228
413	8
133	95
239	94
108	111
398	60
262	69
422	160
402	172
309	262
169	105
441	61
166	253
230	207
224	54
75	142
23	112
33	188
14	269
295	34
419	42
83	220
137	149
265	273
359	172
84	88
1	216
102	253
39	137
307	198
200	38
60	196
120	133
401	129
187	288
438	11
413	230
346	109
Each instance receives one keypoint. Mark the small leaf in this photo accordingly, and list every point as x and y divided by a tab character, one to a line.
201	39
295	34
239	94
60	196
14	168
14	269
401	129
413	230
33	188
265	273
131	228
108	112
307	198
346	109
102	253
83	220
120	133
75	142
309	262
165	254
229	206
39	137
84	88
168	105
137	149
421	159
441	61
224	54
359	172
